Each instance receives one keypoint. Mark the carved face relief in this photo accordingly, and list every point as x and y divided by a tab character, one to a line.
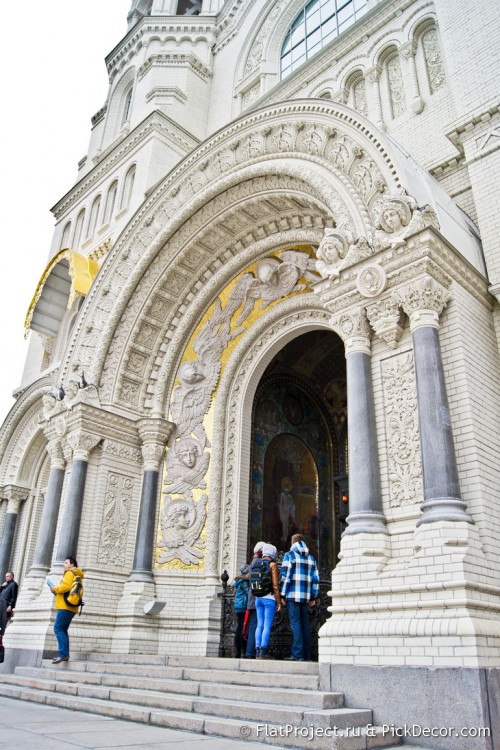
191	372
392	218
188	452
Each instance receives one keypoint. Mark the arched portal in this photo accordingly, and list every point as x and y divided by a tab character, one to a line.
298	446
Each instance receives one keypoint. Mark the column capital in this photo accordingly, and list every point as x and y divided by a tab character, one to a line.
56	453
83	443
353	328
408	50
423	301
373	74
15	495
154	433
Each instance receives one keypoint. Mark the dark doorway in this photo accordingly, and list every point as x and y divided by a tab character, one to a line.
299	448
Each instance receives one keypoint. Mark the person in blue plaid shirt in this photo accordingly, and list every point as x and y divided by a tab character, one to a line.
299	587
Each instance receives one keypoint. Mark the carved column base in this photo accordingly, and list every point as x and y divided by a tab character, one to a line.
439	607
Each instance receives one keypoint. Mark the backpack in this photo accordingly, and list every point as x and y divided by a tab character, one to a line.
74	597
241	595
260	578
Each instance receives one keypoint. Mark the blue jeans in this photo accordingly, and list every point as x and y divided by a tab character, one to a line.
252	627
61	626
265	609
298	614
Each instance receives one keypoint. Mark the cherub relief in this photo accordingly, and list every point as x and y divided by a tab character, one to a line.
398	216
339	250
181	523
186	466
274	278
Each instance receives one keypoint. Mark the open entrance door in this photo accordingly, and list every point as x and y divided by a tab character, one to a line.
299	449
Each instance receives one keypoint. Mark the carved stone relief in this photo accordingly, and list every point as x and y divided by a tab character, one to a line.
338	250
433	60
372	280
397	217
386	320
403	442
115	519
396	85
174	202
188	460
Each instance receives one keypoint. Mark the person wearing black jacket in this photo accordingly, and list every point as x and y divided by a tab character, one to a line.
8	592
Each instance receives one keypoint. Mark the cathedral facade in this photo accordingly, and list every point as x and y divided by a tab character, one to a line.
272	306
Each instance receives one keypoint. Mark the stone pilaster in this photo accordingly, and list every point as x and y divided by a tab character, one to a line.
407	51
373	79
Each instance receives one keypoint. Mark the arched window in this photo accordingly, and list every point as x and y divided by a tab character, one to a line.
65	236
79	229
395	84
316	25
111	202
357	93
126	105
94	215
433	59
128	187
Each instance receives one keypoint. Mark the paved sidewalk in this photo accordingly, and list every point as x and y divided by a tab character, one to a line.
33	726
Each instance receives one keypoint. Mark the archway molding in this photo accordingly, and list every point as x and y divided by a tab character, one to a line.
320	143
230	471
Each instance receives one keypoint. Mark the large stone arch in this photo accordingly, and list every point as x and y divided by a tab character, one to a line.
325	150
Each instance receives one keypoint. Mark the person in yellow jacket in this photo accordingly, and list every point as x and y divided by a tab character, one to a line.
65	612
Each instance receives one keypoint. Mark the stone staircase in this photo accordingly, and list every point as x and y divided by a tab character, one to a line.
274	702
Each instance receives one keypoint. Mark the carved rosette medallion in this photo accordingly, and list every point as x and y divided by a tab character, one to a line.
372	280
115	519
403	442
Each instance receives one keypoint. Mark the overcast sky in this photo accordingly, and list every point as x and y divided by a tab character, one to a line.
54	80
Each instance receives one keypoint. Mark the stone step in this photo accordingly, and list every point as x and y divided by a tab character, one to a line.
235	709
292	736
76	682
112	676
273	666
248	676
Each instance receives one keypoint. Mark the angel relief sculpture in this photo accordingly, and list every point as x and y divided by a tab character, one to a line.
182	522
274	278
397	217
339	250
182	519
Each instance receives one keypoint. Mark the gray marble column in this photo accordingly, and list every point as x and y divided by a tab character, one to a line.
82	443
365	497
14	495
424	301
154	433
50	512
